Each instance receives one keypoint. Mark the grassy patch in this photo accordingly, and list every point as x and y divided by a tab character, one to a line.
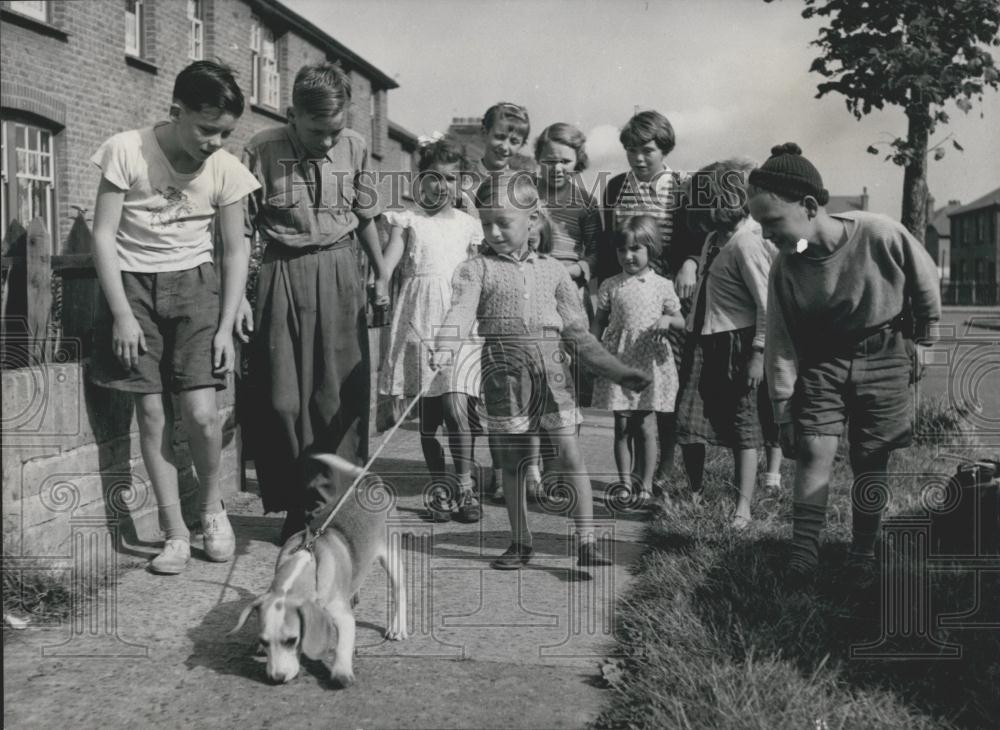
713	638
37	598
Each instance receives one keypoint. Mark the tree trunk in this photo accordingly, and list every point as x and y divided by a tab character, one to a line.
915	173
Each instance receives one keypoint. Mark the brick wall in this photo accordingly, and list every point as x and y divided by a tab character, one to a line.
87	91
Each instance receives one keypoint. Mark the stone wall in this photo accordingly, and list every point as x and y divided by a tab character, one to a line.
71	452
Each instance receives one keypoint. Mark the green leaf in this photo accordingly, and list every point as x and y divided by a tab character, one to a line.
957	146
872	149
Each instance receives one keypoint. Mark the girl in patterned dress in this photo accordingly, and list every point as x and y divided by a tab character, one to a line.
635	311
429	244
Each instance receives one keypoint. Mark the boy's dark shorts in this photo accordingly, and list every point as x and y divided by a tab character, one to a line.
178	312
866	385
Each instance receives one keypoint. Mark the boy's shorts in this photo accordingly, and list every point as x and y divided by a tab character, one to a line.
178	312
527	386
866	385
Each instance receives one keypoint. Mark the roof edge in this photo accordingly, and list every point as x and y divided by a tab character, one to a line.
313	32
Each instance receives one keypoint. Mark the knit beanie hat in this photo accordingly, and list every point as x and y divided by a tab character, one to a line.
787	172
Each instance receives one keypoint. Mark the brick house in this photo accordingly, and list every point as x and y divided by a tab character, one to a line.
975	251
75	73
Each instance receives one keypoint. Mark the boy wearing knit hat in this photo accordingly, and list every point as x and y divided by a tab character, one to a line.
841	291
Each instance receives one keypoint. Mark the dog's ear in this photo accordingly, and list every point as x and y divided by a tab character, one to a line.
245	614
316	630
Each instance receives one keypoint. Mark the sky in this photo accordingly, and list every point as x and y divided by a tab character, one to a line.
731	76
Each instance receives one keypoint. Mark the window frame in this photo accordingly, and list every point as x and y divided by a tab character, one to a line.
196	29
265	77
12	175
139	49
43	6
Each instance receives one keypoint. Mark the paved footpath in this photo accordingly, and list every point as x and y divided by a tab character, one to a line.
487	649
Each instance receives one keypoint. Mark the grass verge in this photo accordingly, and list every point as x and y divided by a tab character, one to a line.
713	638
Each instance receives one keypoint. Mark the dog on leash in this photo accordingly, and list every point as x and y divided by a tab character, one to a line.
314	590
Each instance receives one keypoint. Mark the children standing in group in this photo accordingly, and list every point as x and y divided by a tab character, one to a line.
162	330
650	187
722	400
309	356
429	244
635	310
526	307
837	349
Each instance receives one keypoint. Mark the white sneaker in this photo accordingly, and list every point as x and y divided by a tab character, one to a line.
220	540
174	558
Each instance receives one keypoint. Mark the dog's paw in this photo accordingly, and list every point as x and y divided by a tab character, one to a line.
396	634
344	679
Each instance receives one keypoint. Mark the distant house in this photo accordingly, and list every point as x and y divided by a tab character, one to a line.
975	251
848	203
937	237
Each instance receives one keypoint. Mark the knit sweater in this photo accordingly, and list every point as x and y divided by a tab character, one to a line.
880	271
531	297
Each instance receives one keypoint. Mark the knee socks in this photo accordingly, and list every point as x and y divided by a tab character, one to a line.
865	532
807	523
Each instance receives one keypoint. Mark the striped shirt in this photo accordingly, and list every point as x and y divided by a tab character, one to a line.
574	226
655	198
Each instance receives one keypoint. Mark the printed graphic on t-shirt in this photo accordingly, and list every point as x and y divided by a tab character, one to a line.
176	207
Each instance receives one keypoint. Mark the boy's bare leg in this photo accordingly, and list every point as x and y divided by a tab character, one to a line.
511	455
201	419
772	475
745	463
154	414
572	469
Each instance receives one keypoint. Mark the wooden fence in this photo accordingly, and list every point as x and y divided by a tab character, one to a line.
49	302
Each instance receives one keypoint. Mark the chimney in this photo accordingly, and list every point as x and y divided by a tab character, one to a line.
864	198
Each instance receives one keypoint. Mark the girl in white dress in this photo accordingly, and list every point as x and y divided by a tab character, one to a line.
635	311
428	244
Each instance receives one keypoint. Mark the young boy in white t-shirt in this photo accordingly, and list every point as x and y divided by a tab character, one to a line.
161	331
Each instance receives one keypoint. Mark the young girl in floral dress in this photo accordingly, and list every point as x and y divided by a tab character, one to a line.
635	311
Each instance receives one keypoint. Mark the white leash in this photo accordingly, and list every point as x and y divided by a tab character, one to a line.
342	464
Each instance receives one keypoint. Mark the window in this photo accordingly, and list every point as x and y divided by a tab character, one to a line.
196	32
984	221
134	18
264	86
30	194
37	9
